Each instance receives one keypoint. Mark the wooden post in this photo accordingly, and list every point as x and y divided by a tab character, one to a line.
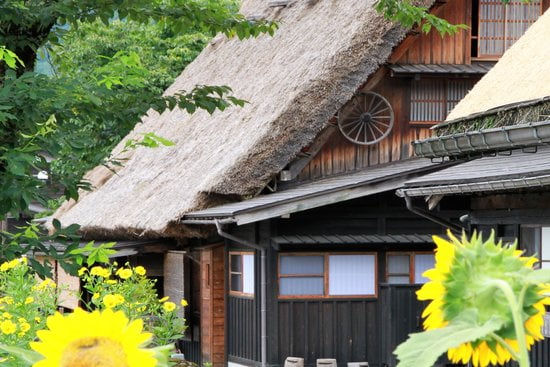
213	306
174	282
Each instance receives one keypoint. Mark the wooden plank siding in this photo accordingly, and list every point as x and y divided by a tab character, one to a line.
432	48
243	332
347	329
339	155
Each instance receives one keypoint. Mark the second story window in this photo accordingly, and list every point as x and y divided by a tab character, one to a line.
500	25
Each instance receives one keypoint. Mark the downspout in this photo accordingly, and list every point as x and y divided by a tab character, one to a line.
429	216
263	287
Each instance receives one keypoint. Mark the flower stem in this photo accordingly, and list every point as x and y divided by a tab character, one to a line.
506	346
516	308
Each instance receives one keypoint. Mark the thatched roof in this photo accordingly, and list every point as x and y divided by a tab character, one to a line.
294	82
522	74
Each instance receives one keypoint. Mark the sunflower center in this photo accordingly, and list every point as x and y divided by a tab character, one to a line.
94	352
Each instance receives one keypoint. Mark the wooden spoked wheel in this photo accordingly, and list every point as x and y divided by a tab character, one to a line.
366	119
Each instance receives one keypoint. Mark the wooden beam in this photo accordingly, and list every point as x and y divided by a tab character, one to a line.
322	199
298	164
374	79
403	47
513	216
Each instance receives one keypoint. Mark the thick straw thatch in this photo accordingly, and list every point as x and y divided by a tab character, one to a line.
294	82
522	74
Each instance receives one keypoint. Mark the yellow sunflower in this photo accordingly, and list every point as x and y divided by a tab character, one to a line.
459	282
95	339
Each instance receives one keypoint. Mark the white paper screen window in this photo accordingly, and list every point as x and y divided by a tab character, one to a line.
312	281
351	275
248	274
422	263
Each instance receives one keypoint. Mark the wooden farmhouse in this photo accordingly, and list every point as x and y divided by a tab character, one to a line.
498	135
279	221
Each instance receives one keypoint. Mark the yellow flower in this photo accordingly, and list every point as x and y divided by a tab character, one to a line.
37	319
29	300
164	299
113	300
140	270
125	273
8	300
6	315
95	296
7	327
104	339
184	303
463	268
82	271
111	281
5	266
46	283
100	272
24	326
169	306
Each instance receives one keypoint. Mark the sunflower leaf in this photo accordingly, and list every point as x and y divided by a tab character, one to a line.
423	349
28	356
538	276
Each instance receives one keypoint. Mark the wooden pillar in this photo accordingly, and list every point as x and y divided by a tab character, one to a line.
174	280
213	306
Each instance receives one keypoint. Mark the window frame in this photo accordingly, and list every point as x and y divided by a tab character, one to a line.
443	103
542	260
231	272
325	276
411	274
477	38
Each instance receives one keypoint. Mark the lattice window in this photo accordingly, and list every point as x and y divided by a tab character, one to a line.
433	98
501	25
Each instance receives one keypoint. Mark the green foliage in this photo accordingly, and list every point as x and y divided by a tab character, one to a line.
20	17
106	76
10	58
127	289
25	303
409	15
162	53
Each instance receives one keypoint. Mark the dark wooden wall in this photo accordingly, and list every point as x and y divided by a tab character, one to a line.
339	155
243	328
432	48
384	213
349	330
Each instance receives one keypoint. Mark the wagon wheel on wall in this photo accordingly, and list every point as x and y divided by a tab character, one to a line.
366	119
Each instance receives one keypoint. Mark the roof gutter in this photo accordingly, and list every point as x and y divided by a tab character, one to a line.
468	188
263	287
487	140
